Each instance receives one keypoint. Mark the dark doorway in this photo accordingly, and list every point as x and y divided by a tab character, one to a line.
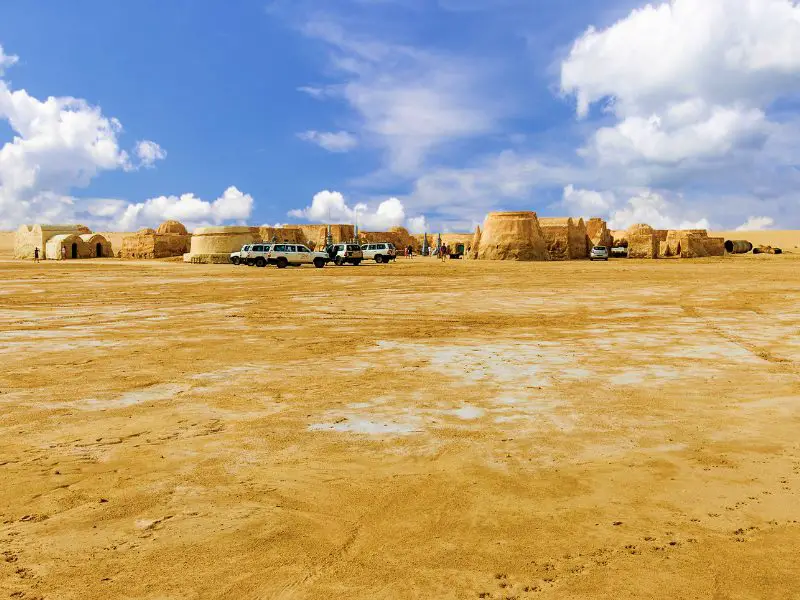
99	251
74	250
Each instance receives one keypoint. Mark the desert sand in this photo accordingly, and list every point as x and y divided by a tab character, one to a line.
416	430
788	240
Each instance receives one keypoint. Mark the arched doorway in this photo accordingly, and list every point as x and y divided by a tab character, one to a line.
74	250
98	251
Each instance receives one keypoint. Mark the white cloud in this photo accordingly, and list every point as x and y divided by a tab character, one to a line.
331	207
341	141
418	224
653	209
711	49
408	101
149	152
690	82
587	203
59	144
314	92
192	211
756	224
6	60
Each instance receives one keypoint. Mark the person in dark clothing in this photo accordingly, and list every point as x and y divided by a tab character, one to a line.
36	255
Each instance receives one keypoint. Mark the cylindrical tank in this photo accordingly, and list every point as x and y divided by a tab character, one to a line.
738	246
512	236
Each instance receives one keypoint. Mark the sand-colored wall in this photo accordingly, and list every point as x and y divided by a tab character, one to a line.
145	244
222	240
398	236
566	238
512	236
30	237
7	244
598	234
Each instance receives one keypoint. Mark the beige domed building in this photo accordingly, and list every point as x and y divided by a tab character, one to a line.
57	242
170	239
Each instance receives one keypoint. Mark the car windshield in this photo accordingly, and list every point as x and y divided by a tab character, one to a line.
599	248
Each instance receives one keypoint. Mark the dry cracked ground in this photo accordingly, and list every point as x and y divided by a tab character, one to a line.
417	430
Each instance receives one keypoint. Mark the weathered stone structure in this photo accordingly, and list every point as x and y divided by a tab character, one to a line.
57	242
512	236
170	239
565	237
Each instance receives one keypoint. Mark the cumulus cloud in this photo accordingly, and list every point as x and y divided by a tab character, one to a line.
59	144
756	224
232	206
340	141
711	49
690	82
149	152
331	207
587	203
653	209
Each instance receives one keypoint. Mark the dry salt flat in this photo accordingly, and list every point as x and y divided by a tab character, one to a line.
459	430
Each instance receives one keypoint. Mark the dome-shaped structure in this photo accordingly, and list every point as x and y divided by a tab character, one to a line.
146	231
171	227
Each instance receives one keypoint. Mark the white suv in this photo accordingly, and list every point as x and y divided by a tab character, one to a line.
240	257
380	253
257	255
283	255
346	253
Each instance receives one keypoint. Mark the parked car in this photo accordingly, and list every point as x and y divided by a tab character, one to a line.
239	258
284	255
346	253
258	255
599	253
380	253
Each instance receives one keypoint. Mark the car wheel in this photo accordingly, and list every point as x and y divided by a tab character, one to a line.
249	262
356	262
319	262
378	259
338	261
260	262
282	263
235	260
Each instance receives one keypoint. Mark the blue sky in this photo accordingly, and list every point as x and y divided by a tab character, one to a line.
424	113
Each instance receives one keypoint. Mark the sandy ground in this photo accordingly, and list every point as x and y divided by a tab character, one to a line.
786	240
418	430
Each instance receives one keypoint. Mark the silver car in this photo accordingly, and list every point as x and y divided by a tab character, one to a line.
599	253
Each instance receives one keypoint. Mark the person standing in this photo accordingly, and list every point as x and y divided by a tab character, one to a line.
36	255
63	253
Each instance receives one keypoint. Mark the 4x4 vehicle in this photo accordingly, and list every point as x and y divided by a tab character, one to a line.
240	257
283	255
381	253
258	255
599	253
346	253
